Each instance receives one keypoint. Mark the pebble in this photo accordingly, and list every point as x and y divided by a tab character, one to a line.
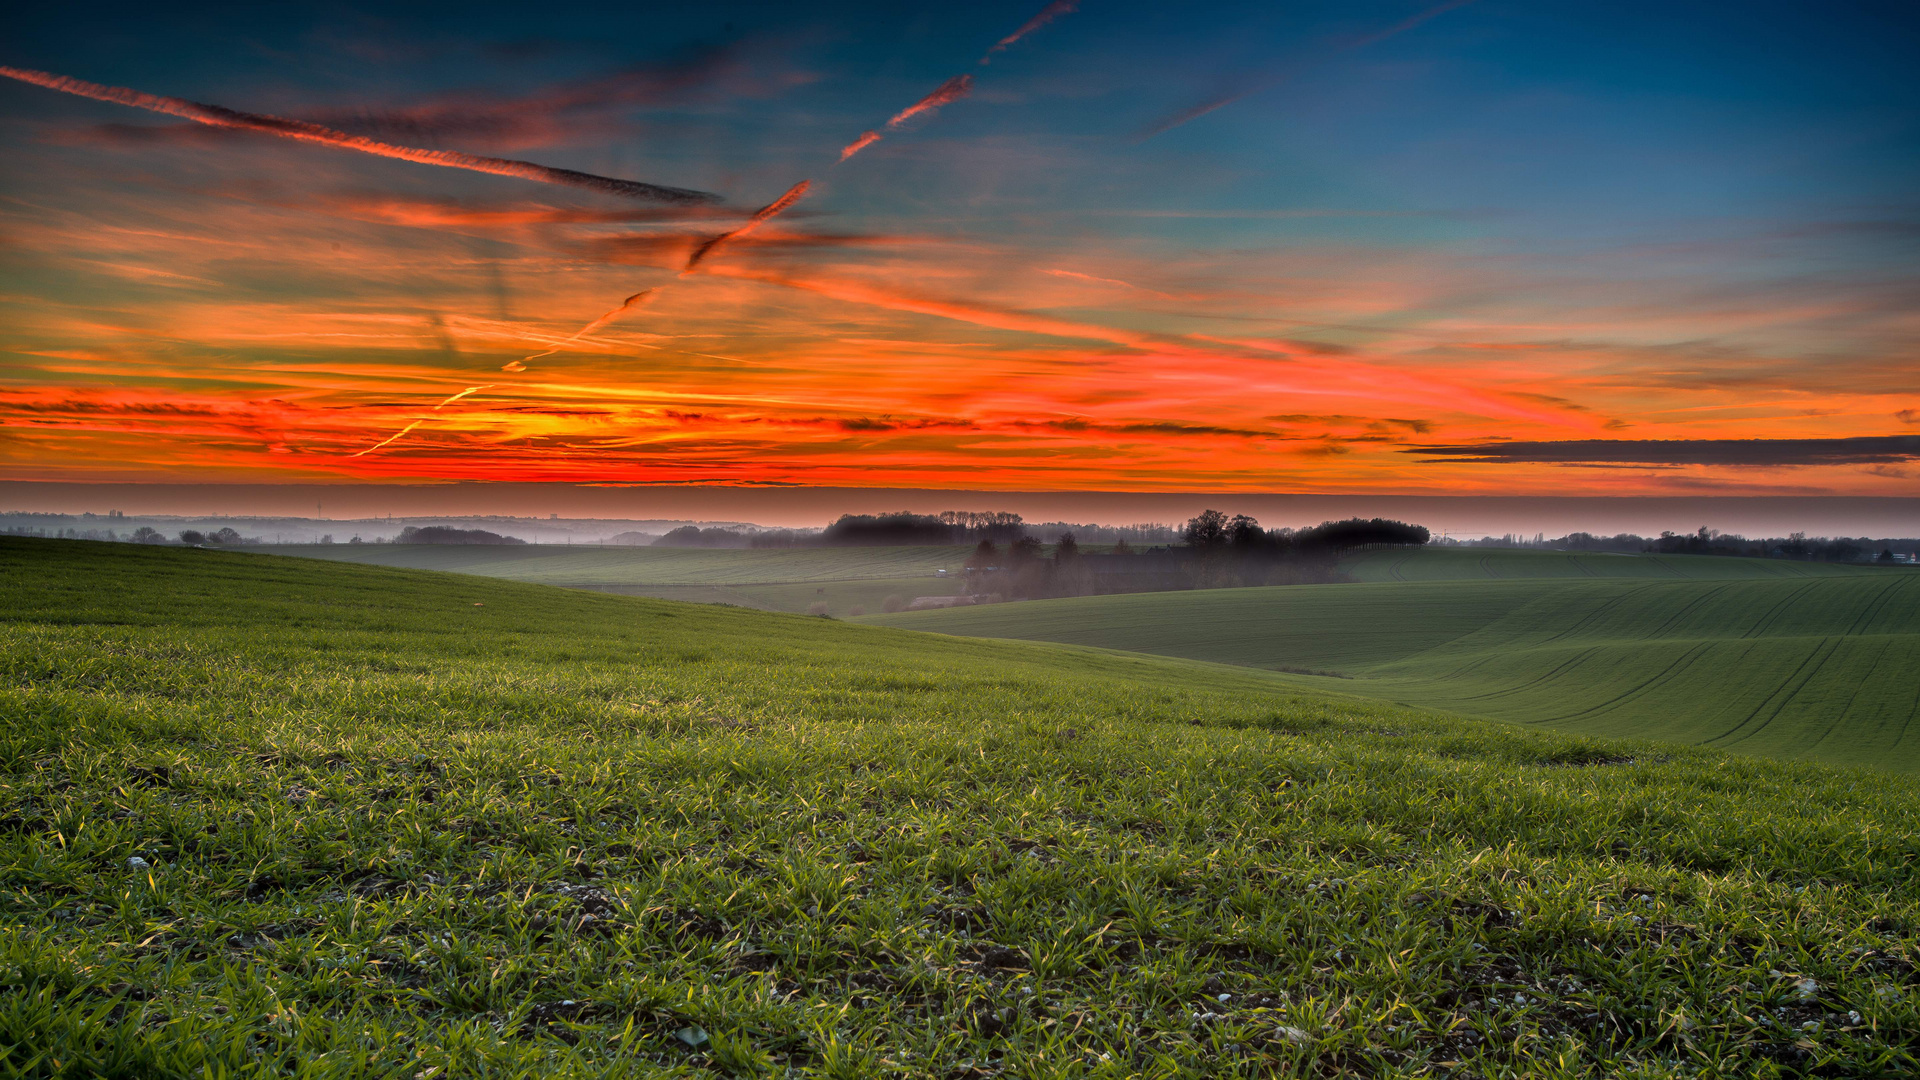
137	863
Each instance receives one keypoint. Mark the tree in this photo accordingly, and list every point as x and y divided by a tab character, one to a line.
1121	547
1244	532
192	536
984	555
1066	549
1206	530
146	534
225	535
893	603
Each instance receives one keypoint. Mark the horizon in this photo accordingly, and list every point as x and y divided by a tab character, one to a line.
797	508
1385	249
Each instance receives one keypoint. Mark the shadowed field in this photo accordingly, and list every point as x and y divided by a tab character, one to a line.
1823	663
777	579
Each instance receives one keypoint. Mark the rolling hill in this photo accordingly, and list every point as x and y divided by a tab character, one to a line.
1822	663
265	815
771	579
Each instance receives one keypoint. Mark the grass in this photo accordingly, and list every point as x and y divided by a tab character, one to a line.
776	579
1821	667
418	825
1504	564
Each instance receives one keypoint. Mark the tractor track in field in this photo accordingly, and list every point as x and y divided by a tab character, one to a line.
1680	663
1573	661
1873	608
1809	667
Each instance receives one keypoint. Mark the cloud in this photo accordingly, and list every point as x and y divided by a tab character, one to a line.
1047	14
1109	281
299	130
1858	450
1908	416
794	194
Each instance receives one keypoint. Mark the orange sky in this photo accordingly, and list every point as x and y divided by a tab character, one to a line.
952	308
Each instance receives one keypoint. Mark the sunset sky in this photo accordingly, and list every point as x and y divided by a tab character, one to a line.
1491	247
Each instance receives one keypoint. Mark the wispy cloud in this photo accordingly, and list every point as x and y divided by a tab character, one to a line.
220	117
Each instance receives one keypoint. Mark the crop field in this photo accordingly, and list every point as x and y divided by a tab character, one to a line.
1821	667
773	579
1502	564
291	817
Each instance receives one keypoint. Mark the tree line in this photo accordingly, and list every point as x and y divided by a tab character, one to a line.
1217	551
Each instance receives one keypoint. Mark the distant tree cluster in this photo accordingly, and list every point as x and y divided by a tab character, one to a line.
221	537
446	534
1706	541
1217	552
693	536
906	529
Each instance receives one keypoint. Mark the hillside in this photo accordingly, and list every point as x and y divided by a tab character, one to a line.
291	816
772	579
1825	666
1506	564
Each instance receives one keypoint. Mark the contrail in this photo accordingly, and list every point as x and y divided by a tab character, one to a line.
461	394
631	301
388	439
391	438
866	139
792	196
1197	111
945	94
217	116
1047	14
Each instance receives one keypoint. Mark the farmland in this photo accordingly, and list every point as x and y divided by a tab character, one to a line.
1507	564
1823	664
773	579
278	815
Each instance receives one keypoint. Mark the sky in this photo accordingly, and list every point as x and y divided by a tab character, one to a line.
1464	248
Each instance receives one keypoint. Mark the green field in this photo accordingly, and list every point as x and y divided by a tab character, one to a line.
774	579
414	825
1824	665
1506	564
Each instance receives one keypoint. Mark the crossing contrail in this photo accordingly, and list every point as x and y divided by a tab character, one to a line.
632	301
221	117
793	195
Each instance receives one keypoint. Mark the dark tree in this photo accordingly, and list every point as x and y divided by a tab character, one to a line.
1245	533
146	534
1207	530
189	536
1066	549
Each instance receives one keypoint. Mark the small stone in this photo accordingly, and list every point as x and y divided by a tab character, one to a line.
137	863
1292	1035
1807	989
